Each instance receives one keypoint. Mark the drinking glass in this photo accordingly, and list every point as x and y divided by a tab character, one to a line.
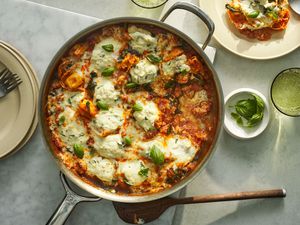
149	4
285	92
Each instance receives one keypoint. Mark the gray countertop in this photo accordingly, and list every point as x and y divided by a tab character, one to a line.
29	184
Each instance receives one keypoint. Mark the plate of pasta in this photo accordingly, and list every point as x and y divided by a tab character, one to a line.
255	29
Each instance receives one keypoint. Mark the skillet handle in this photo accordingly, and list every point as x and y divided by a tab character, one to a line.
69	202
198	12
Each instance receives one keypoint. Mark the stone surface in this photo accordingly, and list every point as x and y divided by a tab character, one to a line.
29	184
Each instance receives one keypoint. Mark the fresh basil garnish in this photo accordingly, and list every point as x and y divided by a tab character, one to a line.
156	155
78	150
108	47
250	110
153	58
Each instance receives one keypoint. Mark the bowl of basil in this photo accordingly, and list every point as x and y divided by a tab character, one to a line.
247	113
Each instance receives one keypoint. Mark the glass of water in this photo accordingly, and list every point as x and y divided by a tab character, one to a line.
285	92
149	4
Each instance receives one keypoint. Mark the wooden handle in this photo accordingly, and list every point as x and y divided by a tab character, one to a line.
276	193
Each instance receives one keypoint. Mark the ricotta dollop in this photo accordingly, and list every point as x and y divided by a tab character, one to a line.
147	116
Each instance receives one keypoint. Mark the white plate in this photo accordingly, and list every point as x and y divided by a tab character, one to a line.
18	108
227	35
230	124
33	76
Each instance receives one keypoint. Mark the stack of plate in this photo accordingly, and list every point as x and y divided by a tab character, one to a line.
18	109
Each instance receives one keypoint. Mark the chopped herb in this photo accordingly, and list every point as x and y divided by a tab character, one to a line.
102	105
143	171
127	141
69	101
93	74
170	84
153	58
137	107
88	106
131	85
169	131
156	155
78	150
108	47
61	120
108	71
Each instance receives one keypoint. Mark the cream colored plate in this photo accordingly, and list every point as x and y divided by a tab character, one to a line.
280	44
18	108
33	76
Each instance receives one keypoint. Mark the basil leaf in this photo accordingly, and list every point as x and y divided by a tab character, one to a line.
156	155
108	71
143	171
127	141
253	14
108	47
240	121
131	85
235	115
137	107
255	119
153	58
246	108
259	102
61	120
102	105
78	150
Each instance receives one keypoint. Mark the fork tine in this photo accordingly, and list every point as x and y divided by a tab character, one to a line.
13	87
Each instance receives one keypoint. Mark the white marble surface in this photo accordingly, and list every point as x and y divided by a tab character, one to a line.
269	161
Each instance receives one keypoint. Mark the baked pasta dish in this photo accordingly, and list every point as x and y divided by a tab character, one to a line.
131	109
257	19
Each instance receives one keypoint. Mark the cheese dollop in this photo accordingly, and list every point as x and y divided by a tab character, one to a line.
176	65
110	146
109	120
181	149
104	169
143	72
72	131
131	169
105	91
146	118
141	40
101	58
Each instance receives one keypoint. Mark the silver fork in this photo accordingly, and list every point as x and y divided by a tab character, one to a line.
8	82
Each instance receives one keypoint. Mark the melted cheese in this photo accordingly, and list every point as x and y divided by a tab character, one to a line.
104	169
262	20
101	58
141	40
181	150
72	99
147	116
105	91
72	131
109	120
110	146
143	72
131	170
176	65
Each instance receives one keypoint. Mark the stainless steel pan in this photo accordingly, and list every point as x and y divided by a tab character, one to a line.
160	24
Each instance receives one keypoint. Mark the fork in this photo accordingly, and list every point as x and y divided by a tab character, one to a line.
8	82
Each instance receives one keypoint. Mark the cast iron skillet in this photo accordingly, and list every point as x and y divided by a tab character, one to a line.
62	211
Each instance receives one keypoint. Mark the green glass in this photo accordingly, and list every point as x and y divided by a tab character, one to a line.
149	4
285	92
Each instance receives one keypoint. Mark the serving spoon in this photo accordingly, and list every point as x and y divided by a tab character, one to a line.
145	212
295	5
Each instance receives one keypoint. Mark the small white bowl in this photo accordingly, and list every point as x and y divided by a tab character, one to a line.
230	124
